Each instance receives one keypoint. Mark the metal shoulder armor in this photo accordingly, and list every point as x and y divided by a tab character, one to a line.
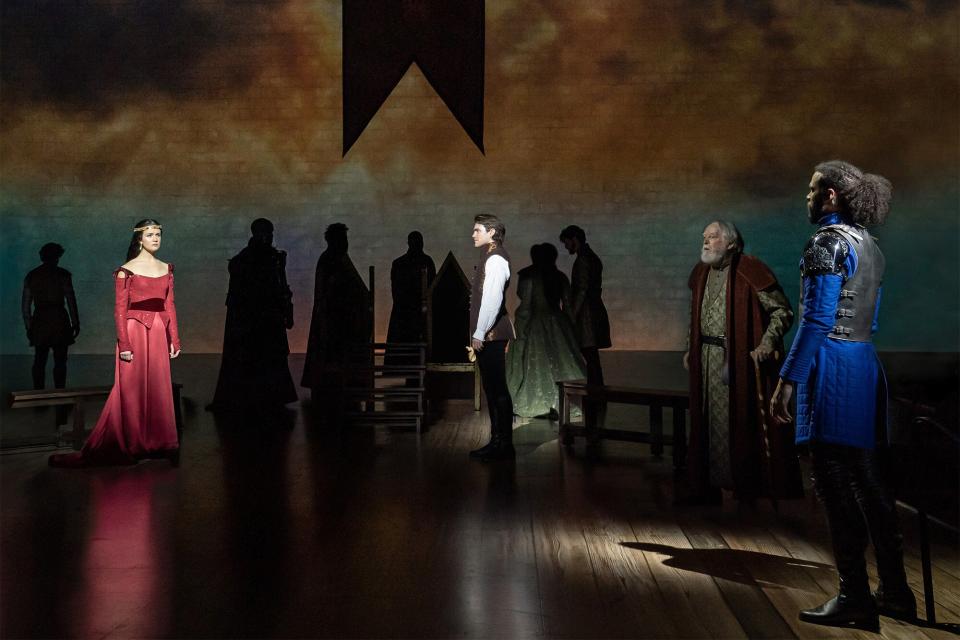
826	253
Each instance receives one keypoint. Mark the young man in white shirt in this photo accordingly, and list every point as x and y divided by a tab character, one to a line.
491	330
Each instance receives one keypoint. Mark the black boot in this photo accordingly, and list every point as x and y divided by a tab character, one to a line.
853	607
900	604
893	596
502	442
502	449
485	449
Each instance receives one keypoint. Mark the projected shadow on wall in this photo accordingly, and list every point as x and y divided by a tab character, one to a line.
448	313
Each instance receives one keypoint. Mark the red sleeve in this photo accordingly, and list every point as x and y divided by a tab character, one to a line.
756	273
121	304
696	274
171	308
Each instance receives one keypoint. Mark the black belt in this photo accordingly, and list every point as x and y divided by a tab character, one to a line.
150	304
717	341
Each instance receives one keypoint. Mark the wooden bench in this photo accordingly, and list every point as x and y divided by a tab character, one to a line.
656	399
460	367
77	397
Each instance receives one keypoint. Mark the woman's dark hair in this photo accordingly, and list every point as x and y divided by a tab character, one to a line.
134	249
544	258
865	197
550	254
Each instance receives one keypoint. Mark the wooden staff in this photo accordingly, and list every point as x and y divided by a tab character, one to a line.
758	378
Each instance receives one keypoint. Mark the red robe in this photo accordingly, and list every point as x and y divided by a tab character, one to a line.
754	475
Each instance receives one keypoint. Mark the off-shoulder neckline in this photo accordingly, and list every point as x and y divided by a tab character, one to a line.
140	275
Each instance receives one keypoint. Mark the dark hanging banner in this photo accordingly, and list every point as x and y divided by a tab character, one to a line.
382	38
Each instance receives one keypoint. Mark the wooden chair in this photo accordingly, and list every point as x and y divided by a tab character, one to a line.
367	402
447	307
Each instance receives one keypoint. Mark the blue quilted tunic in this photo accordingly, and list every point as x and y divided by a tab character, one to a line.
840	385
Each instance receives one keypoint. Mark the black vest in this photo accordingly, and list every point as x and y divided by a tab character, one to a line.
858	298
502	328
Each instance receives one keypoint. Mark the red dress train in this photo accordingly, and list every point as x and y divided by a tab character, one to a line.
138	420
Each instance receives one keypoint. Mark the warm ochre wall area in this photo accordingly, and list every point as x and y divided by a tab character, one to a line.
639	120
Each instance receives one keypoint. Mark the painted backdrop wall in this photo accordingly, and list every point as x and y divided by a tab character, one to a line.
639	120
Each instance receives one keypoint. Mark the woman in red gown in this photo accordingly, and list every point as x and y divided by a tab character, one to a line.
138	420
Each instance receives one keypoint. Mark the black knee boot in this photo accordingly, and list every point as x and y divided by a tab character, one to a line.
834	480
492	442
894	597
502	443
39	369
853	606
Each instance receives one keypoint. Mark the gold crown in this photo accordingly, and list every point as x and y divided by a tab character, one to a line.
149	226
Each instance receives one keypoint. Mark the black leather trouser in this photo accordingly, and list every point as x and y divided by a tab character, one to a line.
859	508
593	410
493	372
39	371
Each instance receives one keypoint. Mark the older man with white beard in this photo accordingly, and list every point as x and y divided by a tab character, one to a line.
739	316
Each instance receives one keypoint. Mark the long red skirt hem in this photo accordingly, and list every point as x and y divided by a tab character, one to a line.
138	420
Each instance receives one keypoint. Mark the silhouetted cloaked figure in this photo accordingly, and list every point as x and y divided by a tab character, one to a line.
50	324
546	348
254	370
407	318
341	319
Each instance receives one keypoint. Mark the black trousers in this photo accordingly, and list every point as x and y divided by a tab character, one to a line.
40	354
493	371
859	508
593	410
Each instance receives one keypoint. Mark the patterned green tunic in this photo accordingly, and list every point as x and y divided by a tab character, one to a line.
716	394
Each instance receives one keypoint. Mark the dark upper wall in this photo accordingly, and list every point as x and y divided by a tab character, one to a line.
641	121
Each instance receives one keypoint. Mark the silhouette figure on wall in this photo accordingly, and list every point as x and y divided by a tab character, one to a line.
588	313
546	348
50	324
341	319
253	369
407	318
449	313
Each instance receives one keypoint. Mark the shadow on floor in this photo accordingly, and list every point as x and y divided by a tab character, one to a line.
765	570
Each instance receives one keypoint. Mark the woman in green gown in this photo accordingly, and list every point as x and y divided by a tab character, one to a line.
546	348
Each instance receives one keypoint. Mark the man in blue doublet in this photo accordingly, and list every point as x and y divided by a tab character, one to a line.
841	394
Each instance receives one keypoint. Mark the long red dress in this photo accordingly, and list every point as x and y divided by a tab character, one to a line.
138	420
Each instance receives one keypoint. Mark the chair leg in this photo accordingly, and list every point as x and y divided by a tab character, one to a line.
78	434
476	388
927	573
656	430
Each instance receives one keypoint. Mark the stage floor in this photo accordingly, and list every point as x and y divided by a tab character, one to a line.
291	530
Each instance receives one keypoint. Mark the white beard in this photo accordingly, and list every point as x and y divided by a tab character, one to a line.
712	258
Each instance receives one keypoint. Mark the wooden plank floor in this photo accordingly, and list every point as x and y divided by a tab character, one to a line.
289	530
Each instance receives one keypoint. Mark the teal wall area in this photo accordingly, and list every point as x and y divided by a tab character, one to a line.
648	255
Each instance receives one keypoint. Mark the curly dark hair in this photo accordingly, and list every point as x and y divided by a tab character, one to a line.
865	197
